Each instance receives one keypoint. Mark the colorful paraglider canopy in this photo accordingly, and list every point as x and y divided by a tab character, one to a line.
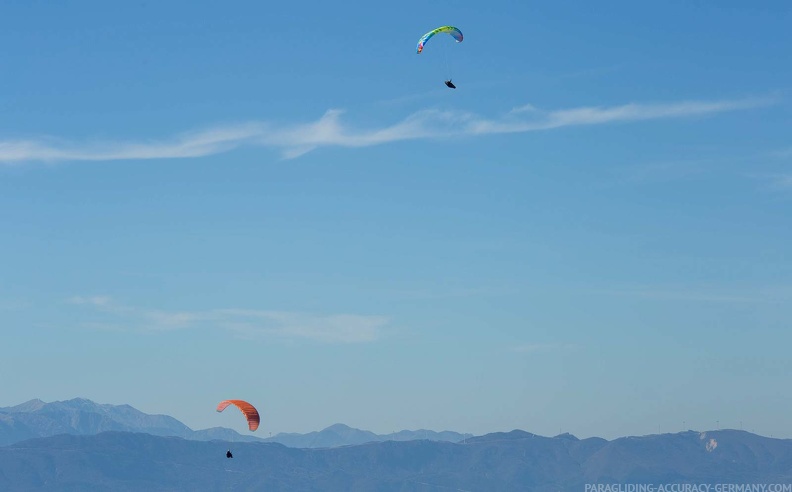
246	408
453	31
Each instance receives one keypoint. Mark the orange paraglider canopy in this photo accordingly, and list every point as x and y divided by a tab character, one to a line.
249	410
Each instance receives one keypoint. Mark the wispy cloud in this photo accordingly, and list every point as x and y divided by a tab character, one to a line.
781	182
246	323
195	144
330	130
90	300
333	328
530	348
783	153
755	295
14	304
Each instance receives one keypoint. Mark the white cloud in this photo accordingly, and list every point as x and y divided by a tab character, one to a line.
654	172
330	130
91	300
528	348
748	295
773	181
255	324
525	108
195	144
782	153
334	328
174	320
782	182
14	304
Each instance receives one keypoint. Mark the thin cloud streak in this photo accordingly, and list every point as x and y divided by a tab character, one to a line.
774	182
755	295
334	328
245	323
782	182
330	130
530	348
90	300
782	153
196	144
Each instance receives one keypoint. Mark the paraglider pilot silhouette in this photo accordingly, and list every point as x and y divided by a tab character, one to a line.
250	412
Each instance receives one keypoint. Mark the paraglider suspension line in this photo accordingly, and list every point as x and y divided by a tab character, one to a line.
447	64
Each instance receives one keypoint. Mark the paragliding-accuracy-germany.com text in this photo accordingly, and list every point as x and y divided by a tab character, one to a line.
689	487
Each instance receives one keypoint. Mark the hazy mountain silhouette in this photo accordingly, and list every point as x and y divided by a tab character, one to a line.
80	416
517	460
343	435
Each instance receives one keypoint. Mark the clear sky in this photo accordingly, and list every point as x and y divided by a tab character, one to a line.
282	202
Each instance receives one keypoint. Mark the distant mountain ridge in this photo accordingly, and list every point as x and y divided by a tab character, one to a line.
80	416
343	435
511	461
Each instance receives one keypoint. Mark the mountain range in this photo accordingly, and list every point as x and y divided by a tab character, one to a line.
80	445
80	416
514	461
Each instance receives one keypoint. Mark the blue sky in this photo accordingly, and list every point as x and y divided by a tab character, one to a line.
283	203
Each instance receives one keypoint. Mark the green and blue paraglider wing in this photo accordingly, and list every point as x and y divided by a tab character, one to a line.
453	31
